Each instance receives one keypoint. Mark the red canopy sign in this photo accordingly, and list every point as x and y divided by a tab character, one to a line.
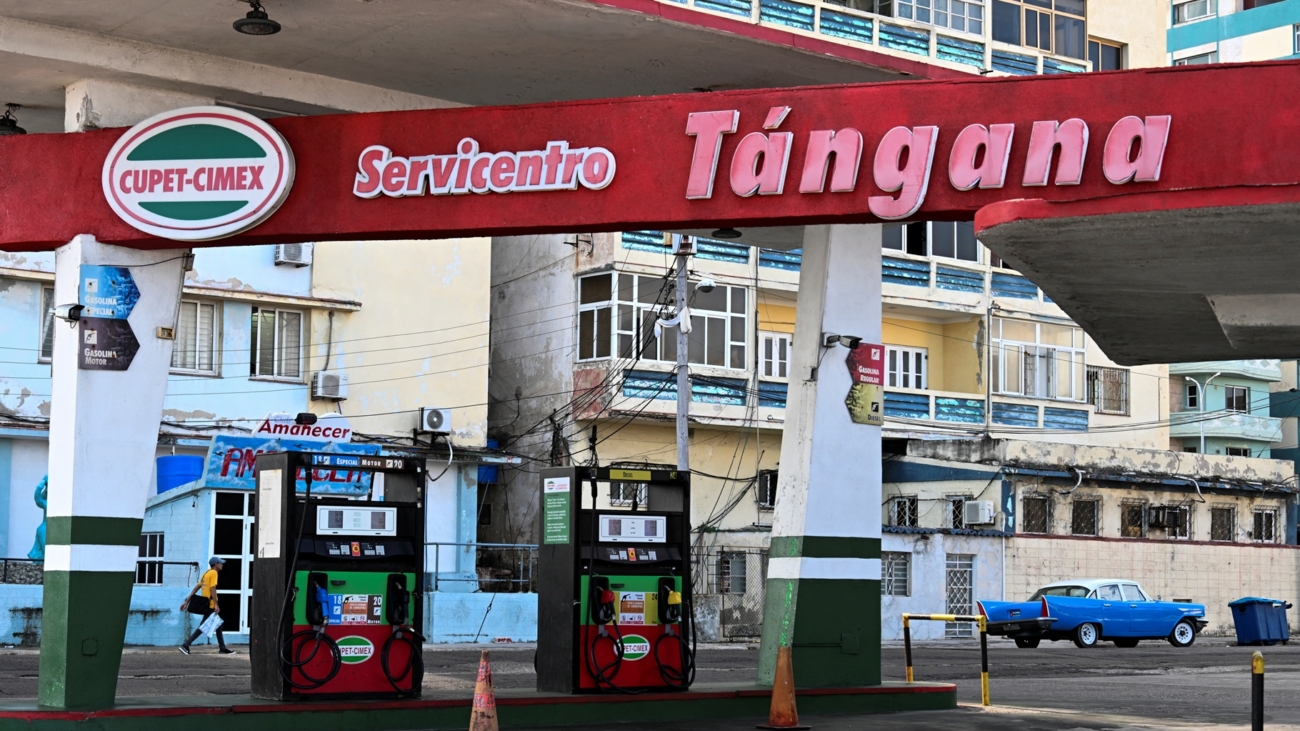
924	150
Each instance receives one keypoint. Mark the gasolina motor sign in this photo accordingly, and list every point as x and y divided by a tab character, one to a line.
198	173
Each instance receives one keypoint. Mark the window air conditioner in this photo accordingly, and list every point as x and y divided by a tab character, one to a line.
435	421
978	512
329	386
297	255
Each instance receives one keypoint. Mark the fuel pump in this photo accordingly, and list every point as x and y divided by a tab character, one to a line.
338	580
614	590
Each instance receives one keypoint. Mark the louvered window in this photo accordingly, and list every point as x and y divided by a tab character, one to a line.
195	345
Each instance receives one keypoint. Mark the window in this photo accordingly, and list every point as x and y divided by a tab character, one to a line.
774	354
1252	4
1265	525
1037	360
963	15
1223	523
1176	520
960	580
626	306
1055	26
1083	517
150	571
1192	396
956	511
277	344
732	573
767	481
1238	451
904	512
1108	390
1037	515
905	367
1187	12
895	573
1109	593
1296	32
1132	593
1211	57
623	494
194	347
939	238
47	325
1236	398
879	7
1105	56
1132	519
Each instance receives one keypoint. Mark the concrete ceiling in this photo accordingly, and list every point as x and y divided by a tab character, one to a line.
1173	286
475	52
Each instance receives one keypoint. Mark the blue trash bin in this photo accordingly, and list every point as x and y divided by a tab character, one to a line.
177	470
1260	621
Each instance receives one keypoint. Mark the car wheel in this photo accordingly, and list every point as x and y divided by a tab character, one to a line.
1126	643
1087	635
1026	643
1184	634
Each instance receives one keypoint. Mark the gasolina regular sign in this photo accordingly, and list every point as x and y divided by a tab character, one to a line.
198	173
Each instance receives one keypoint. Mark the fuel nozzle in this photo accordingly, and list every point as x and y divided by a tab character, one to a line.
670	601
602	601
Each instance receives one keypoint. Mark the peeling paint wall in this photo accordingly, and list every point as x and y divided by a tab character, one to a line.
927	591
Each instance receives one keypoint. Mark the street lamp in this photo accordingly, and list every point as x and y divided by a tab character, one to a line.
1201	403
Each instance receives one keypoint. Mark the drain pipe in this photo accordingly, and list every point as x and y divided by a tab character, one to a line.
1076	485
1200	497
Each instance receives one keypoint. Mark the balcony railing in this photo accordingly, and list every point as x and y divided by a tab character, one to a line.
1263	370
951	276
895	36
960	408
1225	425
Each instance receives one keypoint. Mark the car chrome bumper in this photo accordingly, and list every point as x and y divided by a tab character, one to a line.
1025	627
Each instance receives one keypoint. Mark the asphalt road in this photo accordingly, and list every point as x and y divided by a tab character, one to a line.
1056	686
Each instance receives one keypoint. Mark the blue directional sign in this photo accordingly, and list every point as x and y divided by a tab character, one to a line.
107	292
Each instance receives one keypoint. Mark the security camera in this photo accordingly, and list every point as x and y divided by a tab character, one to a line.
850	341
71	313
705	285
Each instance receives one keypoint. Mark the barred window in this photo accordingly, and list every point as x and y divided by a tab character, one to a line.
1223	523
623	494
957	511
1132	519
895	573
732	573
1265	525
904	511
767	480
1037	515
1083	516
1175	519
1108	390
146	571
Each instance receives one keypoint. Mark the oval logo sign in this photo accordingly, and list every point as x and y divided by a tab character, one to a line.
355	649
635	647
198	173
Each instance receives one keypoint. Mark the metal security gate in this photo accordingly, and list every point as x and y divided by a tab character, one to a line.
738	576
960	580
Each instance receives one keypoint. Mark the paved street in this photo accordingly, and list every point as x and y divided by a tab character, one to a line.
1054	687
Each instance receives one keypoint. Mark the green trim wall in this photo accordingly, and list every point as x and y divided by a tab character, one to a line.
83	629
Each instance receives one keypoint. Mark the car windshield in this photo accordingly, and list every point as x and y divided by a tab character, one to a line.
1078	591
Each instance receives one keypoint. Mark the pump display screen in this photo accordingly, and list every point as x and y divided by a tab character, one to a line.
628	529
347	521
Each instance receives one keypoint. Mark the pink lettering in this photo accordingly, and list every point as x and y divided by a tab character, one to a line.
760	162
995	143
911	180
1072	137
707	128
846	146
1150	135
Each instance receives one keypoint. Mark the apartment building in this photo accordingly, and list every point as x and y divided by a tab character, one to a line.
1231	31
340	329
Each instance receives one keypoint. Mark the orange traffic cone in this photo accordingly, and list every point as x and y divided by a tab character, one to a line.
483	717
783	713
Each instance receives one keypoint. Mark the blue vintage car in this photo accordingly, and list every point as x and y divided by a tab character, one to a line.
1091	611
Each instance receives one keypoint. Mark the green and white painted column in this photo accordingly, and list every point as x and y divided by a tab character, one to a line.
823	576
103	439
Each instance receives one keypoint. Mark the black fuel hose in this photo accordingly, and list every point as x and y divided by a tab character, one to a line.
414	665
680	678
299	663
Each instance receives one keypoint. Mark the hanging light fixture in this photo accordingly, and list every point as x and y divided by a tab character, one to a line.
256	23
9	125
726	233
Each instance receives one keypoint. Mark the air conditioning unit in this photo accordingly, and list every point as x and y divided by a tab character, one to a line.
978	512
435	421
329	386
297	255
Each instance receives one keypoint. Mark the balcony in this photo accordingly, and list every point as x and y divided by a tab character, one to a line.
1260	370
892	36
1225	425
961	408
944	278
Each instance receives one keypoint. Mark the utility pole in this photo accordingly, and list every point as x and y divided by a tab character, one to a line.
683	249
1201	389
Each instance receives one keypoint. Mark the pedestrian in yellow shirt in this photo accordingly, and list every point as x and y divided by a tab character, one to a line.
207	588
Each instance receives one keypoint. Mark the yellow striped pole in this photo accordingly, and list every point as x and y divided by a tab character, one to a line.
984	659
1257	691
907	645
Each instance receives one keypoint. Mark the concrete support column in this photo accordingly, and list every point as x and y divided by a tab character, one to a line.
103	436
823	579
